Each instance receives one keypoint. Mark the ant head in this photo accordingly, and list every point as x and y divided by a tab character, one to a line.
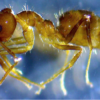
7	24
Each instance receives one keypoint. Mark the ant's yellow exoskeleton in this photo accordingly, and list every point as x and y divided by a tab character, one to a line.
80	28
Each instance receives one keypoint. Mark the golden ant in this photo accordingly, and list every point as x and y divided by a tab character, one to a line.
80	28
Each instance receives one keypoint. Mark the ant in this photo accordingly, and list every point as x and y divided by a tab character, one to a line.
76	28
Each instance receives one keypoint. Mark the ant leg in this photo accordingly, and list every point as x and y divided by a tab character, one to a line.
13	42
8	50
7	72
5	68
63	74
16	74
16	49
90	47
15	59
87	70
71	63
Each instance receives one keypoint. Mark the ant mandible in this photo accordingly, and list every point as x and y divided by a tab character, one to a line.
78	27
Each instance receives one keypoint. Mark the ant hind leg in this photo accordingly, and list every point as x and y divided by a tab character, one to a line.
90	47
63	74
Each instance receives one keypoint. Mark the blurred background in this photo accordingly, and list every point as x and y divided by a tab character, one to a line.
43	61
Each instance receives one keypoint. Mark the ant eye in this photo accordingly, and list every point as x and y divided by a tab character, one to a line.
7	24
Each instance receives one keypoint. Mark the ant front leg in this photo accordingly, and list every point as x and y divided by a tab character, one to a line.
16	74
14	44
16	60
